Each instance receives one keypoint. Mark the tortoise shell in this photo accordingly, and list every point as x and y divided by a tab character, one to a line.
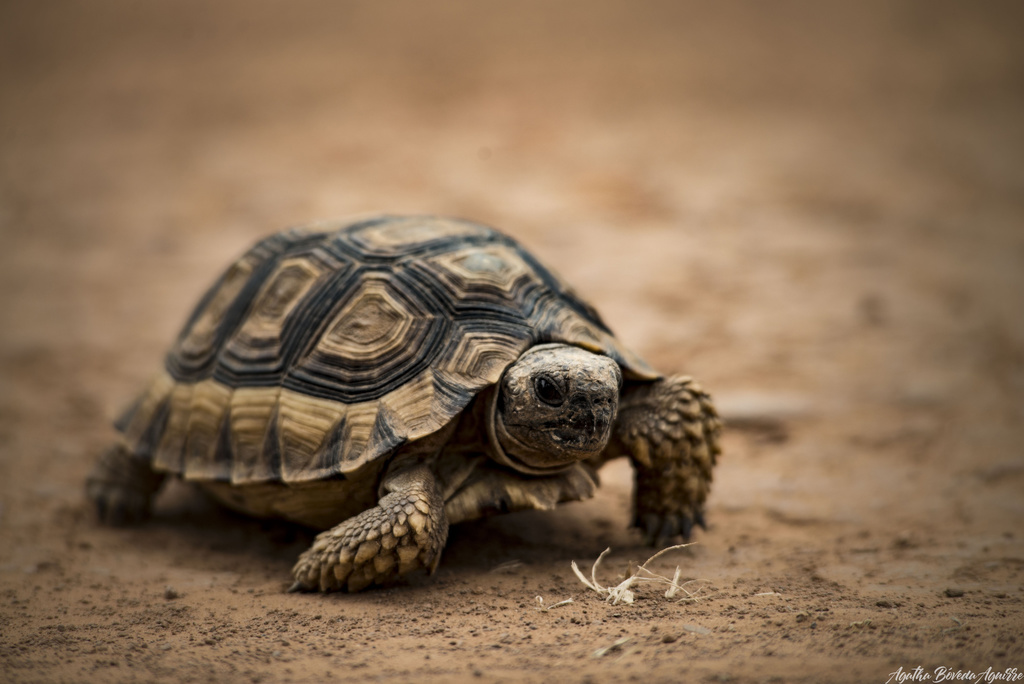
325	348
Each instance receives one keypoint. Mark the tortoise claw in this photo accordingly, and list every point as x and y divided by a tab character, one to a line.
669	529
118	506
660	530
698	519
687	527
650	526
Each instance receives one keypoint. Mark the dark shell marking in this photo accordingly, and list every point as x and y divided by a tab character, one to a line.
325	348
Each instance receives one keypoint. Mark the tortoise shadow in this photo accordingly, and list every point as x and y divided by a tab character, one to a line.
206	536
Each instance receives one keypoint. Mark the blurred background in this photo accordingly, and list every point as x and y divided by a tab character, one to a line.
708	174
815	208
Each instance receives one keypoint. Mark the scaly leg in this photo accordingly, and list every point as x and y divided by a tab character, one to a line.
404	532
121	486
670	430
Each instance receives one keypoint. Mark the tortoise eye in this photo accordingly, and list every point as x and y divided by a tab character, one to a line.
547	391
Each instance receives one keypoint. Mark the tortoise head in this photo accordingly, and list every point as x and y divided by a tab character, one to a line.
554	406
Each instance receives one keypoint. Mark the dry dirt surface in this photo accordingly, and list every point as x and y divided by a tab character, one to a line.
816	209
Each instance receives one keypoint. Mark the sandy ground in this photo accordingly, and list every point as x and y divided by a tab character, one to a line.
817	212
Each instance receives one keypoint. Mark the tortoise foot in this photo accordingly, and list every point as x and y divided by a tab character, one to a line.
404	532
671	430
121	487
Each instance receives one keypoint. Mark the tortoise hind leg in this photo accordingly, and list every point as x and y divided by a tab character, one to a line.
670	431
121	486
405	531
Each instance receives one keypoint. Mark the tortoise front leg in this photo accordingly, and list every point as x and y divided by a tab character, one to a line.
669	429
121	486
404	532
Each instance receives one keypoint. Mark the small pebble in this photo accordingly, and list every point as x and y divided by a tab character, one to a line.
171	593
954	593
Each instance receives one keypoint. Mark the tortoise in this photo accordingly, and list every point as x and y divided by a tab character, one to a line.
386	378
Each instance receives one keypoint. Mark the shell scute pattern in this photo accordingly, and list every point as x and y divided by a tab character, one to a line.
272	328
390	237
382	334
323	349
226	304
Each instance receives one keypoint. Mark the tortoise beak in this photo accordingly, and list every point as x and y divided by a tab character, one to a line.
586	426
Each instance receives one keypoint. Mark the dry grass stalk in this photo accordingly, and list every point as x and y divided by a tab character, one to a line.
622	592
508	566
617	646
541	607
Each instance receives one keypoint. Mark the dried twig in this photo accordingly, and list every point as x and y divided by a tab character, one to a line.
622	593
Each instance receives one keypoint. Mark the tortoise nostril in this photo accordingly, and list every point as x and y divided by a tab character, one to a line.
583	421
